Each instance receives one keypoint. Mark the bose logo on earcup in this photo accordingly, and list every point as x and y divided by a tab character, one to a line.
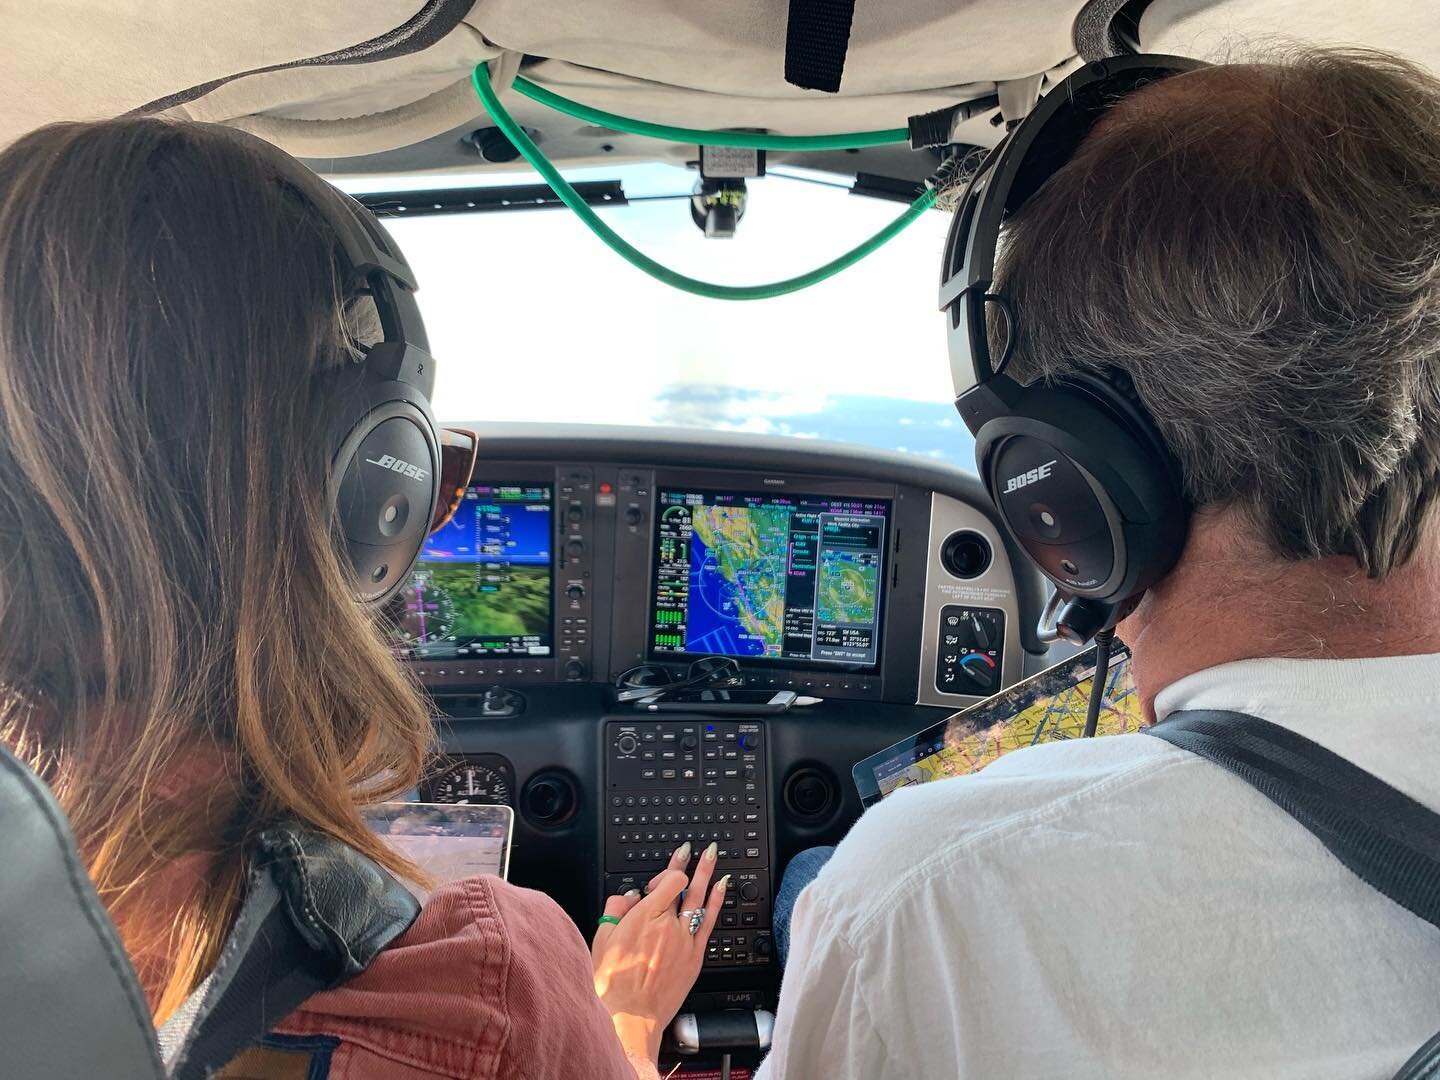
1015	483
394	464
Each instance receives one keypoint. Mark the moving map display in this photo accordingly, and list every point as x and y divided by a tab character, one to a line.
484	581
769	577
1043	708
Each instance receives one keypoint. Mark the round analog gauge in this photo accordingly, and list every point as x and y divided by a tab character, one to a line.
471	783
428	614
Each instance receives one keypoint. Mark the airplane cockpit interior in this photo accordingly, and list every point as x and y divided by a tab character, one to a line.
712	565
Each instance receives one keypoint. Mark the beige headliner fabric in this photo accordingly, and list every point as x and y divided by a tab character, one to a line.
68	59
1221	30
675	61
737	47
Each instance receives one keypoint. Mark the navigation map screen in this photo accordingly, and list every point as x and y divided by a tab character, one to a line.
769	577
1043	708
483	584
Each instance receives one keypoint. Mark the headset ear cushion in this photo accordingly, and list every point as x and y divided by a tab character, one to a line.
384	488
1114	391
1088	491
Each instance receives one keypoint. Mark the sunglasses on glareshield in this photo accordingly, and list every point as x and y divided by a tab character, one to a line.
457	461
709	671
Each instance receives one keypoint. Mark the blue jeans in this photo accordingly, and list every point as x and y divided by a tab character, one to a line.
803	869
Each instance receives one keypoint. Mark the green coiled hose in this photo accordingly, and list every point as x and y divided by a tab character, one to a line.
480	79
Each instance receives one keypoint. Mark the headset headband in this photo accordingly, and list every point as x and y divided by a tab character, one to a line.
404	353
392	475
1012	172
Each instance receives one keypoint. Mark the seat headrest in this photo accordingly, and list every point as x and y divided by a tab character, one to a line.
71	1006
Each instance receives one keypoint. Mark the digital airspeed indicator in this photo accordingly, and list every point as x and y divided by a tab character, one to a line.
474	782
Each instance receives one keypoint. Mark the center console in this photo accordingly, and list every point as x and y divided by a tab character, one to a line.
878	585
701	780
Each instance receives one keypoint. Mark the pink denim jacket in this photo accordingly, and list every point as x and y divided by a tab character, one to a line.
492	981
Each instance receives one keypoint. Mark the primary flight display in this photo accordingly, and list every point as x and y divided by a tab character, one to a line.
770	577
483	584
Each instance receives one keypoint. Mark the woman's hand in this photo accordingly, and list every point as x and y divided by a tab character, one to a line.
646	964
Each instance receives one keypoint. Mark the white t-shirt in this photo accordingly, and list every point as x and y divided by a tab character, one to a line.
1122	908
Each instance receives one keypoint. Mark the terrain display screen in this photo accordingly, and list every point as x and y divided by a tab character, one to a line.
484	582
769	577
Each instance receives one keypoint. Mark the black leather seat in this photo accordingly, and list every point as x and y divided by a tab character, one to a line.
71	1007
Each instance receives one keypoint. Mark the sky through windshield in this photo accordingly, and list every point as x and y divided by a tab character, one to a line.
531	318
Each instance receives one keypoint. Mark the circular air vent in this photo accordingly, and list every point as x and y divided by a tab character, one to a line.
965	554
549	799
811	794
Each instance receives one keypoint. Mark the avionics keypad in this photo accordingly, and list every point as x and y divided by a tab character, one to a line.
699	780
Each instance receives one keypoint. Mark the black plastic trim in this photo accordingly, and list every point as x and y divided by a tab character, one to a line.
478	200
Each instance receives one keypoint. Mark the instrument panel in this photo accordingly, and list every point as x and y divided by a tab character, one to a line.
878	583
831	580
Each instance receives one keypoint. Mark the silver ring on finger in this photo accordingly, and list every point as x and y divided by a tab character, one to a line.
697	917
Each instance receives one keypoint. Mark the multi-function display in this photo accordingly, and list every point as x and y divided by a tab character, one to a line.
484	582
769	577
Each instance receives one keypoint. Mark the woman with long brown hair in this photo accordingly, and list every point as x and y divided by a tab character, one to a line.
181	656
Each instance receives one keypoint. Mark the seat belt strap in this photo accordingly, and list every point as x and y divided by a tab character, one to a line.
264	974
1387	839
315	914
817	38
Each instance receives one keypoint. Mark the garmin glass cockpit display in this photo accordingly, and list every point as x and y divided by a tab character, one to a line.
791	578
484	583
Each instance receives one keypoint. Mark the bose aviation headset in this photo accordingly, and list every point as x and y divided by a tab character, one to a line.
1075	467
390	481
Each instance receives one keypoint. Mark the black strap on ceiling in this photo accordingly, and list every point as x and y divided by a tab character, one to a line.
1387	839
817	37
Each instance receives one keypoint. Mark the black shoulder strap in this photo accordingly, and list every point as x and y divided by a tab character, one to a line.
316	913
1387	839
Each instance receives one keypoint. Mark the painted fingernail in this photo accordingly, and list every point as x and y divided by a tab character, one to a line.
632	894
683	852
712	850
723	883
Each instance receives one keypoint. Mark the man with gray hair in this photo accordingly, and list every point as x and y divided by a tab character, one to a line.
1258	247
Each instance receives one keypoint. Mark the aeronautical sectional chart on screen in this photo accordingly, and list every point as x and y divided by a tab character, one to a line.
1053	713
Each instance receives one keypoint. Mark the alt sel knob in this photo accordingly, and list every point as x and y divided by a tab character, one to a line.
749	892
